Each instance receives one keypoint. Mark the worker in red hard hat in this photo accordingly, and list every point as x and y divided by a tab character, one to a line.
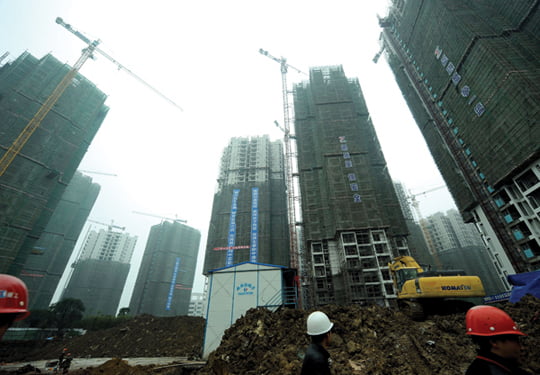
317	359
13	301
497	337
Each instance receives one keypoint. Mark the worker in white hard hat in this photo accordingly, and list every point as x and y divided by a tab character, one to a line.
317	359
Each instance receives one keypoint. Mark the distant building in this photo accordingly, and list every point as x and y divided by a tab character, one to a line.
109	245
197	305
417	243
249	214
352	222
460	246
469	73
449	230
49	256
100	274
33	184
165	278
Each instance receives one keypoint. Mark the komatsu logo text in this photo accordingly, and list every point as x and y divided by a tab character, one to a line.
456	287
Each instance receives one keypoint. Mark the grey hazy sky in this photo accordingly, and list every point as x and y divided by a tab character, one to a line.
204	56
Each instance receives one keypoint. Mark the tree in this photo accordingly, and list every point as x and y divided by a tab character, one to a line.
66	313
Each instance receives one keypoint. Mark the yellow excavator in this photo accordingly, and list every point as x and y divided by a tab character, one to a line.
422	292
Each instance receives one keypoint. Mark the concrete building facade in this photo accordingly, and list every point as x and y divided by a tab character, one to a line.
108	245
197	305
32	185
165	278
469	73
249	213
50	255
352	222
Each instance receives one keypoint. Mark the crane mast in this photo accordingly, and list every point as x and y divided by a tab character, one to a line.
289	160
49	103
34	123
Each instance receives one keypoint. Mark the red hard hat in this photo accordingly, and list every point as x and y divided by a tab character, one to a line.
490	321
13	296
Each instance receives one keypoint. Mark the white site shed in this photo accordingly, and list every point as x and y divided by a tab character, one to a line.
235	289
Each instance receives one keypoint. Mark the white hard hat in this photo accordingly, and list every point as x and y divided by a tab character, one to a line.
318	323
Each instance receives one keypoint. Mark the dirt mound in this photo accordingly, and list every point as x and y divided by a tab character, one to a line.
366	340
142	336
114	366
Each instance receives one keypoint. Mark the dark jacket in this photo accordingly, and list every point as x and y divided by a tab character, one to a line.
487	363
316	361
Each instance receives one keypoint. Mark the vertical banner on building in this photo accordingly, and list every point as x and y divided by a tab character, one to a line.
232	228
254	245
173	283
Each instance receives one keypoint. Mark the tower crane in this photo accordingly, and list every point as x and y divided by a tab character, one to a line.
422	221
35	122
160	217
101	173
110	226
6	54
289	161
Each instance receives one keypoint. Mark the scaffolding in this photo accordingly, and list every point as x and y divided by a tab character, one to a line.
459	83
32	187
248	164
353	224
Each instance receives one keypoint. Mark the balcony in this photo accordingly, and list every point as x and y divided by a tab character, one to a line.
518	235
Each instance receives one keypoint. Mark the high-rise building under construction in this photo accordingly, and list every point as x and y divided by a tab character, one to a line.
165	277
470	73
249	214
34	181
50	254
352	221
100	273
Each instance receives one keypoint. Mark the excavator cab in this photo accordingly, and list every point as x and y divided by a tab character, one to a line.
404	274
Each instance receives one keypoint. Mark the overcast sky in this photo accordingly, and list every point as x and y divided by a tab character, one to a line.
204	56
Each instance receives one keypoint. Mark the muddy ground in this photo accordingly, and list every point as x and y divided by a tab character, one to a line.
366	340
142	336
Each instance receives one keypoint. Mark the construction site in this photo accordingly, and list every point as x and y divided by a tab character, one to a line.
312	222
366	340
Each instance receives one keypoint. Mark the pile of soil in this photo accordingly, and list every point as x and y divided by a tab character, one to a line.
114	366
365	340
142	336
